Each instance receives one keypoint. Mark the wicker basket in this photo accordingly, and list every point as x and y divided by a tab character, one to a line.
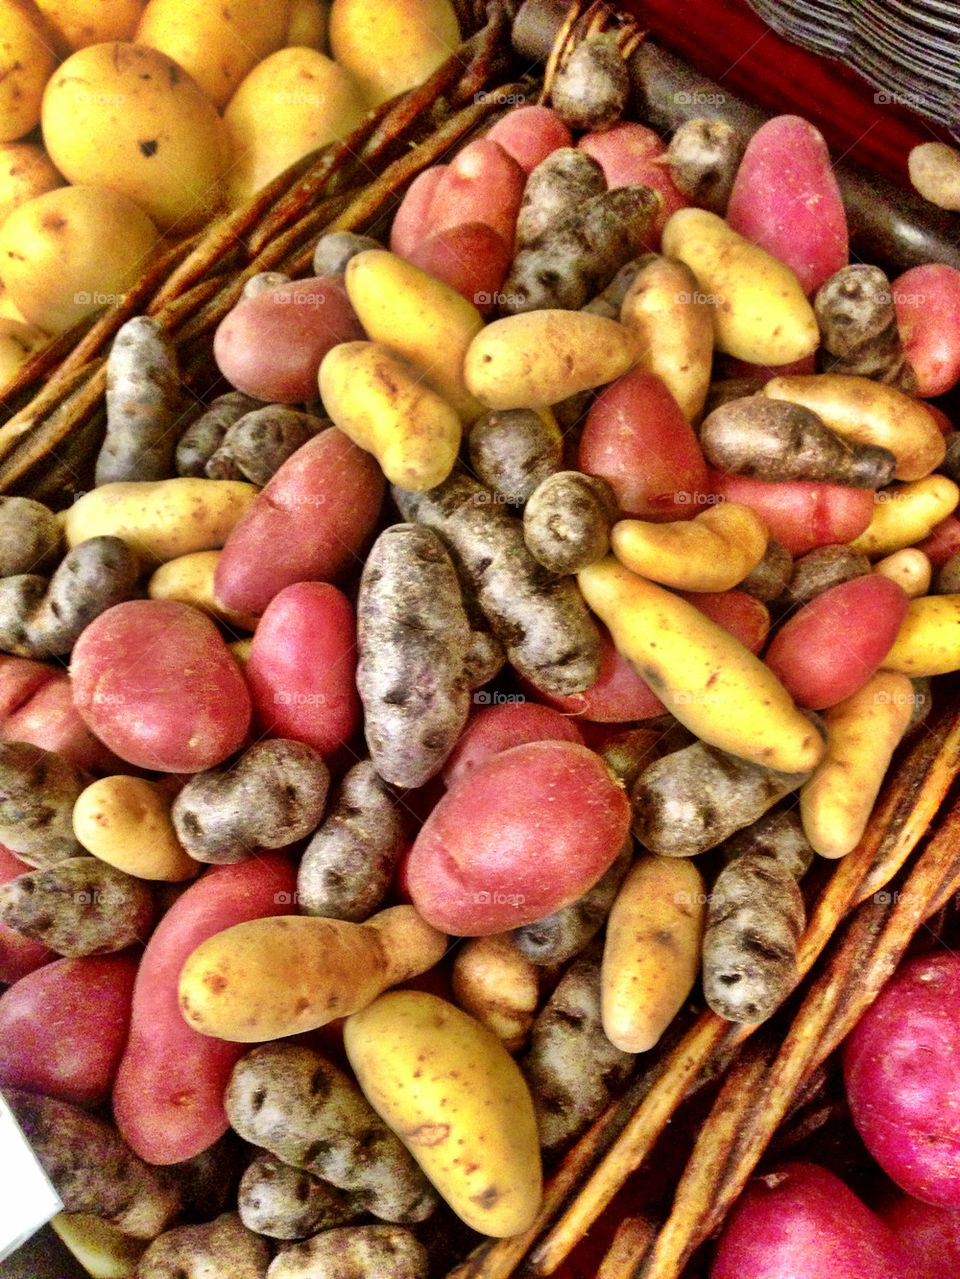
725	1092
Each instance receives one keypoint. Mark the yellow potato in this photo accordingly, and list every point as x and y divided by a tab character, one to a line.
131	119
27	60
217	44
25	172
712	552
537	358
928	642
705	676
18	341
392	45
909	568
8	308
189	579
71	251
868	412
457	1100
651	955
103	1250
307	28
759	310
862	733
493	982
160	519
382	402
906	513
426	321
241	649
77	23
126	821
291	973
666	310
291	103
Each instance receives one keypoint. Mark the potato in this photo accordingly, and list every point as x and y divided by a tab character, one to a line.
283	1202
216	44
452	1093
26	63
712	552
221	1247
126	821
928	642
142	127
67	252
354	1252
77	23
392	45
288	105
38	789
160	519
104	1251
495	983
25	172
905	514
307	27
189	579
18	341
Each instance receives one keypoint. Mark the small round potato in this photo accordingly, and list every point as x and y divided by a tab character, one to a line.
132	119
25	171
391	45
77	23
26	64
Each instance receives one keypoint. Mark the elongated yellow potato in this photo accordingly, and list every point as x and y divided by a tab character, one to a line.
651	956
666	310
423	319
904	514
457	1100
104	1251
862	733
712	552
868	412
391	45
382	402
909	568
928	642
759	310
290	973
705	676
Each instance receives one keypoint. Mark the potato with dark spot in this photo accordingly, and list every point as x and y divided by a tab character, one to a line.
271	796
354	1252
413	635
513	451
567	521
30	536
497	985
256	445
485	657
557	187
858	324
223	1247
777	835
283	1202
38	790
755	919
697	797
541	620
204	436
703	158
81	906
769	579
591	88
92	1168
571	1066
822	568
299	1106
41	618
143	401
348	865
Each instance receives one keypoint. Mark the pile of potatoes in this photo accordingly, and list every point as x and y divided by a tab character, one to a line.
126	125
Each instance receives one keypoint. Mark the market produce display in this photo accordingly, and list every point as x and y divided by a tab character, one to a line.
417	744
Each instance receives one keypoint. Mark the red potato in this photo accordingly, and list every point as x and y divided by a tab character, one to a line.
737	612
901	1069
799	1221
799	514
482	183
168	1092
944	422
631	154
637	439
311	522
411	223
496	728
19	955
525	833
20	679
927	299
928	1234
760	373
302	667
50	720
786	199
63	1027
154	680
830	647
944	541
619	696
271	345
529	134
473	259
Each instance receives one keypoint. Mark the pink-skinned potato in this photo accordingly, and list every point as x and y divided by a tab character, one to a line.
631	154
482	183
496	728
943	541
525	833
63	1027
20	679
901	1069
156	683
302	667
271	345
412	221
19	955
473	259
529	134
800	1221
928	1234
50	720
799	514
927	299
311	522
168	1091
